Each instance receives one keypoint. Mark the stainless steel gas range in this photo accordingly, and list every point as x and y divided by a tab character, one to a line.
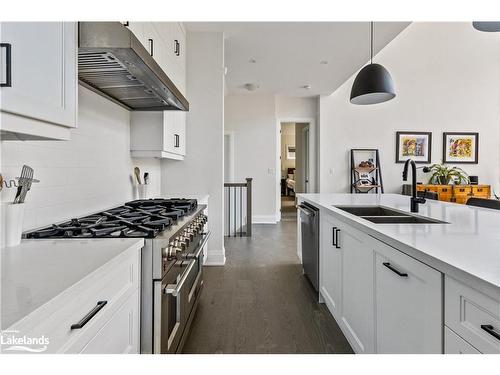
175	234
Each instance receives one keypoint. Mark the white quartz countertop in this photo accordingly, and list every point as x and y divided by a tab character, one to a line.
467	247
38	270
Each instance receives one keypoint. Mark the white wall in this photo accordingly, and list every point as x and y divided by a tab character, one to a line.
447	79
252	120
202	170
89	173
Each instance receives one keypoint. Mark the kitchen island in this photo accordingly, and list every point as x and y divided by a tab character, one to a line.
414	288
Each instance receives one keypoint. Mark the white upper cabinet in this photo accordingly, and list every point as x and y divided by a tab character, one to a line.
38	72
161	134
166	42
158	134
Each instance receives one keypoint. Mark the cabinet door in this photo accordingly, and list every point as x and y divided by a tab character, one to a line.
357	288
169	131
408	304
120	335
180	122
43	71
330	266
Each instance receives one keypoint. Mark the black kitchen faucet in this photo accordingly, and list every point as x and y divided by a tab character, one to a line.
414	200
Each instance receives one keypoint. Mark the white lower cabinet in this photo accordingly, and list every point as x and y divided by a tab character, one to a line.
383	300
357	288
454	344
408	303
330	267
474	315
122	327
98	314
158	134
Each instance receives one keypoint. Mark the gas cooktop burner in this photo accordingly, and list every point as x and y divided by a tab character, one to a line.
139	218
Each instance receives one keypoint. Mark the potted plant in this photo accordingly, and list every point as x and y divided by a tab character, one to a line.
443	175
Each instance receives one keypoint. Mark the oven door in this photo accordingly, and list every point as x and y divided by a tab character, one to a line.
197	256
172	305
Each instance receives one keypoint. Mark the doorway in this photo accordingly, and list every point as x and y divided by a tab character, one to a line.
294	165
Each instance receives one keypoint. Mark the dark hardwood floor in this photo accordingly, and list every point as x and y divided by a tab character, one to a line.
261	303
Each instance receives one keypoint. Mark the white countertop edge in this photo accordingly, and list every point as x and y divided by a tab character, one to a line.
370	228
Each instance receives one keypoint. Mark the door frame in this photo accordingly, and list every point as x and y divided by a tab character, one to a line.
312	156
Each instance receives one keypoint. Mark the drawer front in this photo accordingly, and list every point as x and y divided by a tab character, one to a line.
473	315
120	335
113	283
481	191
454	344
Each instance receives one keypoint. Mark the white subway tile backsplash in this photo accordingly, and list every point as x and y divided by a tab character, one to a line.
89	173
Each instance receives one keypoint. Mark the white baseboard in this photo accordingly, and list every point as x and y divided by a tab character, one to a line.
264	219
215	258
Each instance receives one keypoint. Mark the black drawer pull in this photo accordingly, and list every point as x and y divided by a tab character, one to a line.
8	65
388	265
334	231
337	231
176	140
90	315
151	46
491	330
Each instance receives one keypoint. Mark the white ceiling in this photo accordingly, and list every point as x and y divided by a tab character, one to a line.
288	54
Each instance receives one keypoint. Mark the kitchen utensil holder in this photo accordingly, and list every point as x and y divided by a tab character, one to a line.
143	191
12	217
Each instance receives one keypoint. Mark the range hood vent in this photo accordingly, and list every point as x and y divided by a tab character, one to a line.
113	63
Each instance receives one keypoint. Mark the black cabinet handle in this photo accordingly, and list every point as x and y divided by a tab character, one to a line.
399	273
176	140
90	315
337	232
8	65
151	46
177	47
491	330
334	232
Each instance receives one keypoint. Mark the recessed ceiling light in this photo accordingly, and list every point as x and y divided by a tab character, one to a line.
252	61
306	87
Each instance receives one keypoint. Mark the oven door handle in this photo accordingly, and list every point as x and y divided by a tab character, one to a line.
200	247
174	289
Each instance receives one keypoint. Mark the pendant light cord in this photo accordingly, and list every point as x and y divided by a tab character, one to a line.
371	42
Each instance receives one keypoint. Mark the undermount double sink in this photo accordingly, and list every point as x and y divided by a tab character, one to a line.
385	215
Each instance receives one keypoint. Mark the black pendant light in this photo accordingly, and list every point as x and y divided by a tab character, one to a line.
489	27
373	84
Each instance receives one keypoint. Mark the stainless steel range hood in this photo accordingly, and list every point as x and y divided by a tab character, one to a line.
113	63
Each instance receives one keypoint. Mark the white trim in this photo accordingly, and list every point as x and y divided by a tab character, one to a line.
264	219
215	258
230	134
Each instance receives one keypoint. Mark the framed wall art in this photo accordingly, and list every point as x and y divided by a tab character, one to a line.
413	145
460	148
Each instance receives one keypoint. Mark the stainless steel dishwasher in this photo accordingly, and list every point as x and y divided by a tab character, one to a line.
309	225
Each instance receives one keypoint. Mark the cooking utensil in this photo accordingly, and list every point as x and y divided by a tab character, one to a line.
146	178
23	184
137	172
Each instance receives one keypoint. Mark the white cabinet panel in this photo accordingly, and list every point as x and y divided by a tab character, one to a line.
357	288
454	344
44	75
330	267
473	315
158	134
120	335
408	300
